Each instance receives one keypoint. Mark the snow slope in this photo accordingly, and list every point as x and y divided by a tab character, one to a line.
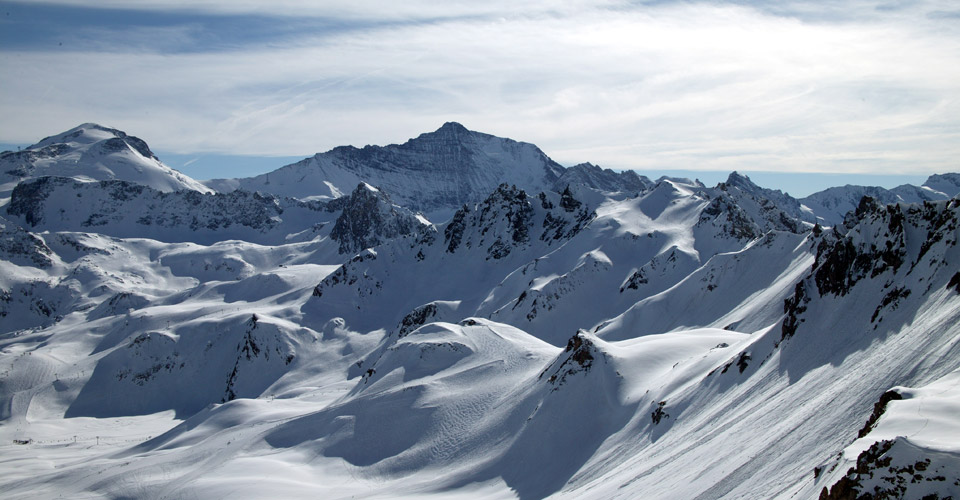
548	264
92	152
677	341
124	209
435	173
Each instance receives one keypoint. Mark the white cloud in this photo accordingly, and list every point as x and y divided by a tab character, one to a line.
366	10
687	86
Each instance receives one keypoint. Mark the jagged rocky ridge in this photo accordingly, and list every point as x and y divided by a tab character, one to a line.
570	343
126	209
832	204
368	219
435	173
537	285
508	227
887	244
593	177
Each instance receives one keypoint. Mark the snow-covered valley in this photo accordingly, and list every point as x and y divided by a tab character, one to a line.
396	322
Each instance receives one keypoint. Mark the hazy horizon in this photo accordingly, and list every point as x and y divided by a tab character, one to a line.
793	87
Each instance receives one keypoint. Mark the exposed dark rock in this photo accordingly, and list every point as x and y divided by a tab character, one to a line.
594	177
567	201
878	408
27	198
453	233
370	219
955	282
417	318
580	355
21	247
506	205
892	299
659	413
842	263
743	361
347	273
634	281
733	219
883	473
794	307
576	358
444	169
555	226
115	201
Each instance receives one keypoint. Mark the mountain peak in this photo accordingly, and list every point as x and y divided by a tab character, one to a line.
435	173
91	151
452	132
370	218
948	184
452	127
741	181
85	133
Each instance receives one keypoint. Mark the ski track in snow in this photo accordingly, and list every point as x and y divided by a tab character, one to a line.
647	339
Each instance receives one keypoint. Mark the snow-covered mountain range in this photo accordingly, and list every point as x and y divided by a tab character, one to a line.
832	204
437	171
460	316
92	152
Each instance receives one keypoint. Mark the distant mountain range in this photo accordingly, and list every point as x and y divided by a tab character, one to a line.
460	316
832	204
91	152
435	173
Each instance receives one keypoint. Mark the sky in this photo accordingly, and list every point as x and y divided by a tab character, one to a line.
794	91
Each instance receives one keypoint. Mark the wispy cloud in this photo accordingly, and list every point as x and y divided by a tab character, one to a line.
731	85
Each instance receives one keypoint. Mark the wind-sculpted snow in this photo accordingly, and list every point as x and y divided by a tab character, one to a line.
741	290
472	400
191	367
603	339
911	449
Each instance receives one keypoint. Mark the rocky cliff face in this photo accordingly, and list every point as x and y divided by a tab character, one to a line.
368	219
436	172
594	177
472	250
127	209
19	246
717	345
900	250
